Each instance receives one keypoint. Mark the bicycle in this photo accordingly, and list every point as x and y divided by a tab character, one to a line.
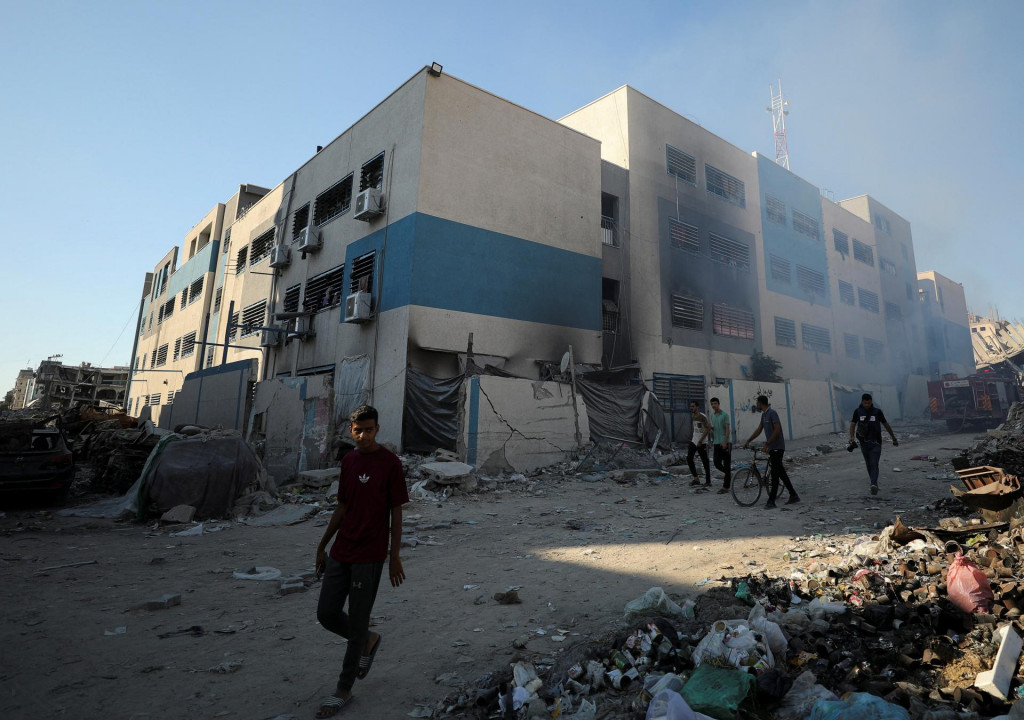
748	482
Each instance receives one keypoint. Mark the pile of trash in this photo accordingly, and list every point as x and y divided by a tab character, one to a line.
1002	447
118	455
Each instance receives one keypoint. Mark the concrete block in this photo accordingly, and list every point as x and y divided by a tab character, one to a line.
162	603
996	682
446	473
292	586
319	478
284	515
179	514
333	489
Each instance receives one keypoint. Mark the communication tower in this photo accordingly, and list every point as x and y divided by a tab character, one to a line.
779	113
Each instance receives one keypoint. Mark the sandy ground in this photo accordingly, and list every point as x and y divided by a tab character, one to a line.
579	551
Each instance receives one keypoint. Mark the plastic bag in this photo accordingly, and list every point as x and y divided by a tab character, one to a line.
758	620
669	705
732	642
802	696
655	600
967	586
717	691
857	706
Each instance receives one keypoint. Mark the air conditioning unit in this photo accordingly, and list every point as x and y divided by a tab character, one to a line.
358	307
308	240
280	256
369	204
270	338
300	327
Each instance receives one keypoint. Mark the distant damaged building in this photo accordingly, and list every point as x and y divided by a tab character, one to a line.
998	344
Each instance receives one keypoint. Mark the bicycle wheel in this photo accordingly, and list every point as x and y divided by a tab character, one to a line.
746	487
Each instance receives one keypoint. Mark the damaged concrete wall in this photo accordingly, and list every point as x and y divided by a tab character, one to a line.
811	410
743	401
511	424
915	398
215	397
292	419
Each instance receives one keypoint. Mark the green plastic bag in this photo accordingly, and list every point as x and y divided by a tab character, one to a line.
717	691
857	706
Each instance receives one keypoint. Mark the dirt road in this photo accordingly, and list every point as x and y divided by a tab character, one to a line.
578	551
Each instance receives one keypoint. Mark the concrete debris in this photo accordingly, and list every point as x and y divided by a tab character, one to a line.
161	603
319	478
446	473
1002	447
179	514
284	515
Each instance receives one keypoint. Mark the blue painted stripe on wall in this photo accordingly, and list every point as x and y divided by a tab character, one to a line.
447	265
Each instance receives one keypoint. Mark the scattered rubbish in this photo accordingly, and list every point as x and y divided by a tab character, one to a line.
509	597
120	630
420	711
161	603
968	587
258	573
194	631
656	600
996	681
225	668
194	530
67	565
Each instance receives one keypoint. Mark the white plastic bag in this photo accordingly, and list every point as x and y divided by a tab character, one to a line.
732	642
758	620
801	697
655	600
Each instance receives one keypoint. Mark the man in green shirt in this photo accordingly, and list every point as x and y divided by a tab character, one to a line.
722	442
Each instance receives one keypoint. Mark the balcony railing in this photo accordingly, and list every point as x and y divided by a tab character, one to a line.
609	231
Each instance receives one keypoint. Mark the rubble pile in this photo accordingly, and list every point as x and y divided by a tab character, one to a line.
1002	447
118	456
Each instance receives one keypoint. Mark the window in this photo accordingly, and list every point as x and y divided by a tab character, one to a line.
867	299
324	290
165	310
729	251
177	348
725	186
610	305
684	236
609	220
290	303
887	266
732	321
903	249
852	345
687	312
209	356
817	339
362	273
241	259
910	293
781	269
863	253
675	392
188	345
233	323
874	351
785	332
893	311
372	174
184	298
161	356
170	397
332	202
776	210
810	281
805	225
195	291
261	247
217	298
150	319
882	224
841	241
846	293
252	318
153	399
681	165
145	359
300	220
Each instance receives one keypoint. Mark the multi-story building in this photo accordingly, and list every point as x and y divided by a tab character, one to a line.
62	386
24	387
448	216
947	325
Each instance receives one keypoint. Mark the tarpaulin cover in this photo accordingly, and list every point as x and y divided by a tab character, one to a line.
207	472
350	383
613	410
431	418
654	419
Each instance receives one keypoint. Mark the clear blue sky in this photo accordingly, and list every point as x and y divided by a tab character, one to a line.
123	123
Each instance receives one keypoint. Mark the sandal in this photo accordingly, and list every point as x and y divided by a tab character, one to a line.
331	706
366	661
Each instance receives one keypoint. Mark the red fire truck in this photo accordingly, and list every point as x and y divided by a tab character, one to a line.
978	401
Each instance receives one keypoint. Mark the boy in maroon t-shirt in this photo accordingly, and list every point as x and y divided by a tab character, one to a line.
371	493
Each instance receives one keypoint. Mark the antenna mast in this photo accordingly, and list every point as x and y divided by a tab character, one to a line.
779	113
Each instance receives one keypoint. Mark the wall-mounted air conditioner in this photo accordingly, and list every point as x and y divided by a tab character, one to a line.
270	338
280	256
308	240
369	204
358	307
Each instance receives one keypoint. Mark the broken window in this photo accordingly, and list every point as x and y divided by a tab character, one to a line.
252	318
300	220
874	351
161	356
332	202
684	236
188	344
781	269
846	293
805	225
290	302
610	305
687	312
681	165
841	241
362	273
725	186
177	348
810	281
261	247
729	251
241	260
775	210
887	266
816	338
372	174
217	298
867	300
195	291
732	321
852	345
893	311
785	332
863	253
324	290
882	224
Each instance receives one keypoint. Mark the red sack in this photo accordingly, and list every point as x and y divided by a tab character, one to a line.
967	586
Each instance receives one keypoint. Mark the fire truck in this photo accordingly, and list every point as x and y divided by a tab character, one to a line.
978	401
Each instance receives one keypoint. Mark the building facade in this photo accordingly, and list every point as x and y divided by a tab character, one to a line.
947	326
63	386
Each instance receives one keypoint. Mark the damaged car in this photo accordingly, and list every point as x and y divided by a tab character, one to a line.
35	459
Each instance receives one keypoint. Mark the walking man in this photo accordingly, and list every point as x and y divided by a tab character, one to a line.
371	493
866	424
698	445
776	446
722	450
